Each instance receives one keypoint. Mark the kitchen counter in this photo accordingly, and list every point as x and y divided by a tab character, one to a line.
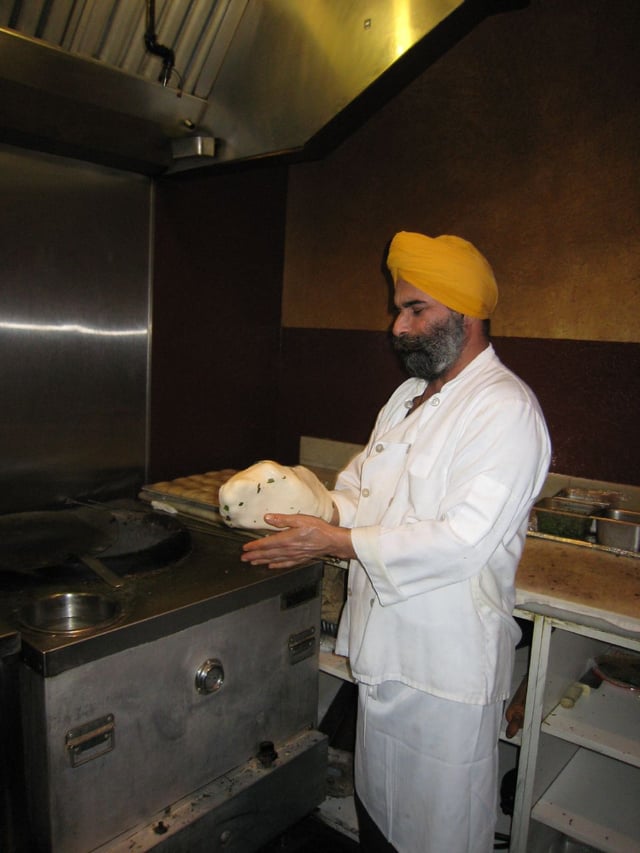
596	588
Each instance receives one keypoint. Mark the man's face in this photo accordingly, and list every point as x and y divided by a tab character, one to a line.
428	336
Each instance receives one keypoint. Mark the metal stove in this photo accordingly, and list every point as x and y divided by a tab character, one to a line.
175	711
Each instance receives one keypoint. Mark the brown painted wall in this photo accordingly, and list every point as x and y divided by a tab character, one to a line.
522	138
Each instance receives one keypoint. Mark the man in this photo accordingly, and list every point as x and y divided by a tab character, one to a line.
432	516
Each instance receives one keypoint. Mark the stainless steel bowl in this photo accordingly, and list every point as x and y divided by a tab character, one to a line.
70	613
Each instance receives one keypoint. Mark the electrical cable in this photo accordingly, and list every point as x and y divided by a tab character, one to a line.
151	43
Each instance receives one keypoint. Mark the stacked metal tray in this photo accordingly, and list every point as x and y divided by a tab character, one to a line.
588	517
193	496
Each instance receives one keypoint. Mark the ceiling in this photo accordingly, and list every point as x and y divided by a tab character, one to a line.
247	78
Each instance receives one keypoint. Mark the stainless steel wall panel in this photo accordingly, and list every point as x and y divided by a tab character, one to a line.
74	328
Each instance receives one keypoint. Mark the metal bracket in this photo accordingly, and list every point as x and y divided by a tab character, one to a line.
90	740
302	645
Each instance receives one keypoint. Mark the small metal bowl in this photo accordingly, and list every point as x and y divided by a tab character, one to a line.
70	613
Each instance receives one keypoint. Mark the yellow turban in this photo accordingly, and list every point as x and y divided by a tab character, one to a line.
449	269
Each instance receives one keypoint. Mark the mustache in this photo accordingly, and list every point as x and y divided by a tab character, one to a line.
408	343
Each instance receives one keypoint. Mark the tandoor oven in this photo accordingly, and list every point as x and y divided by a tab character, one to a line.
183	717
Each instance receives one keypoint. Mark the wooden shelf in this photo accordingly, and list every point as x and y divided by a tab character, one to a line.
607	719
589	797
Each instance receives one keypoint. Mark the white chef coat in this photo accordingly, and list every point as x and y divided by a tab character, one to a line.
438	503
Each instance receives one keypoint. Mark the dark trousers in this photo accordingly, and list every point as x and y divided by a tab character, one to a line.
371	839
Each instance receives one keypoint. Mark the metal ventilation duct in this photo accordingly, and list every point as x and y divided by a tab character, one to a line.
260	77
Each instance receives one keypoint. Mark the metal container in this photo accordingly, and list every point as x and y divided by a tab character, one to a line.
567	518
619	529
598	496
69	613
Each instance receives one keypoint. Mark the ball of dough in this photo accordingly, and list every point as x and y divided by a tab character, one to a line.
268	486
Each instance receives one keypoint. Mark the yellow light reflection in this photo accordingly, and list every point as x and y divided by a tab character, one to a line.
402	35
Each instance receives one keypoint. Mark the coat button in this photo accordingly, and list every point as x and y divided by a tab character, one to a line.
365	493
379	448
435	401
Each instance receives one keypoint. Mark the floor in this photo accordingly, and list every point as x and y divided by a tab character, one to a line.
312	835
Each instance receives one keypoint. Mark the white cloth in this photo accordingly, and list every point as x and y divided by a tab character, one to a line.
438	503
428	793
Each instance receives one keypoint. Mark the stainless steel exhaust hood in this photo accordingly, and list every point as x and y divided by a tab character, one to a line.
252	78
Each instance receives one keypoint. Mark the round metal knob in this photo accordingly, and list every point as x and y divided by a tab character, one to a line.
210	676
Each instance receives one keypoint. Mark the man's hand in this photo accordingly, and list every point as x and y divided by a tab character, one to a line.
303	538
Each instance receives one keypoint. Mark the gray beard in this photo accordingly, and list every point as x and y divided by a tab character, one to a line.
430	356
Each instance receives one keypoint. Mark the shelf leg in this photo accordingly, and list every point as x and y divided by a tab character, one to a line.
530	734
